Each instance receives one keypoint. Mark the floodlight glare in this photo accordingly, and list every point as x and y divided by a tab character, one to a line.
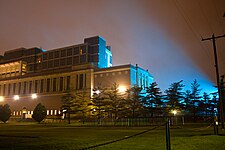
34	96
174	112
16	97
97	92
1	98
122	89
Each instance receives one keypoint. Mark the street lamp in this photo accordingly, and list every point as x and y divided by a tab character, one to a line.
1	98
34	96
16	97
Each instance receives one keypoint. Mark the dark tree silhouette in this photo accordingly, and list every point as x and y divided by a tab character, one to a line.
134	99
5	113
39	113
195	97
153	97
187	101
67	103
174	95
116	101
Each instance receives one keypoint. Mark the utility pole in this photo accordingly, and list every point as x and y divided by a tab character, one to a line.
213	38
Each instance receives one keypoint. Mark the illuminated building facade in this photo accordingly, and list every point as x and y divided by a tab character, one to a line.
32	76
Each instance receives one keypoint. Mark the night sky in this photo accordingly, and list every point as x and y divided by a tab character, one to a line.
163	36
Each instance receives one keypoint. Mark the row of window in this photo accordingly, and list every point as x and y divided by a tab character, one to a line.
65	52
49	112
63	62
112	73
43	85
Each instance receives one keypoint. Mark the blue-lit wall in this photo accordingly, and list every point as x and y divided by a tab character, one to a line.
104	54
140	77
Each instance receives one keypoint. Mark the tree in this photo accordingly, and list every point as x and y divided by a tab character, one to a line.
187	100
81	104
67	104
134	100
207	103
116	101
39	113
153	100
5	113
174	95
195	97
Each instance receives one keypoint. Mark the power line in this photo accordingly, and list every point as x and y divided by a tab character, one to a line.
218	18
204	15
188	22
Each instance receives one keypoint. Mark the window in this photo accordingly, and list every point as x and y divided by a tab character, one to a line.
63	62
68	82
14	88
30	87
50	64
9	87
44	65
4	86
24	87
81	81
56	63
45	56
19	88
51	55
110	59
56	54
76	51
85	81
69	51
82	58
63	53
61	84
69	61
48	85
54	84
76	81
83	48
35	86
42	86
76	60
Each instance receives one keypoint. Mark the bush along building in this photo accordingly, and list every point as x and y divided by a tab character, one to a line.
32	76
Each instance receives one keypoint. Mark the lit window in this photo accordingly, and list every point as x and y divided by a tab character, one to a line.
81	51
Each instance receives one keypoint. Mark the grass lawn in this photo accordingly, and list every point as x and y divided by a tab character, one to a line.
57	136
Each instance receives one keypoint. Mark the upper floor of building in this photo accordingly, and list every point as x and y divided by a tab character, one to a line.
27	61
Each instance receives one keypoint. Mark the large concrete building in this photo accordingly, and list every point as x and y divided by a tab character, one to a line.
31	76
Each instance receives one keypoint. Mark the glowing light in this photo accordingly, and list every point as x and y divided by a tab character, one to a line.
34	96
122	89
174	112
97	92
16	97
1	98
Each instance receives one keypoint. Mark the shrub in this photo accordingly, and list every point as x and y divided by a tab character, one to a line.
5	113
39	113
